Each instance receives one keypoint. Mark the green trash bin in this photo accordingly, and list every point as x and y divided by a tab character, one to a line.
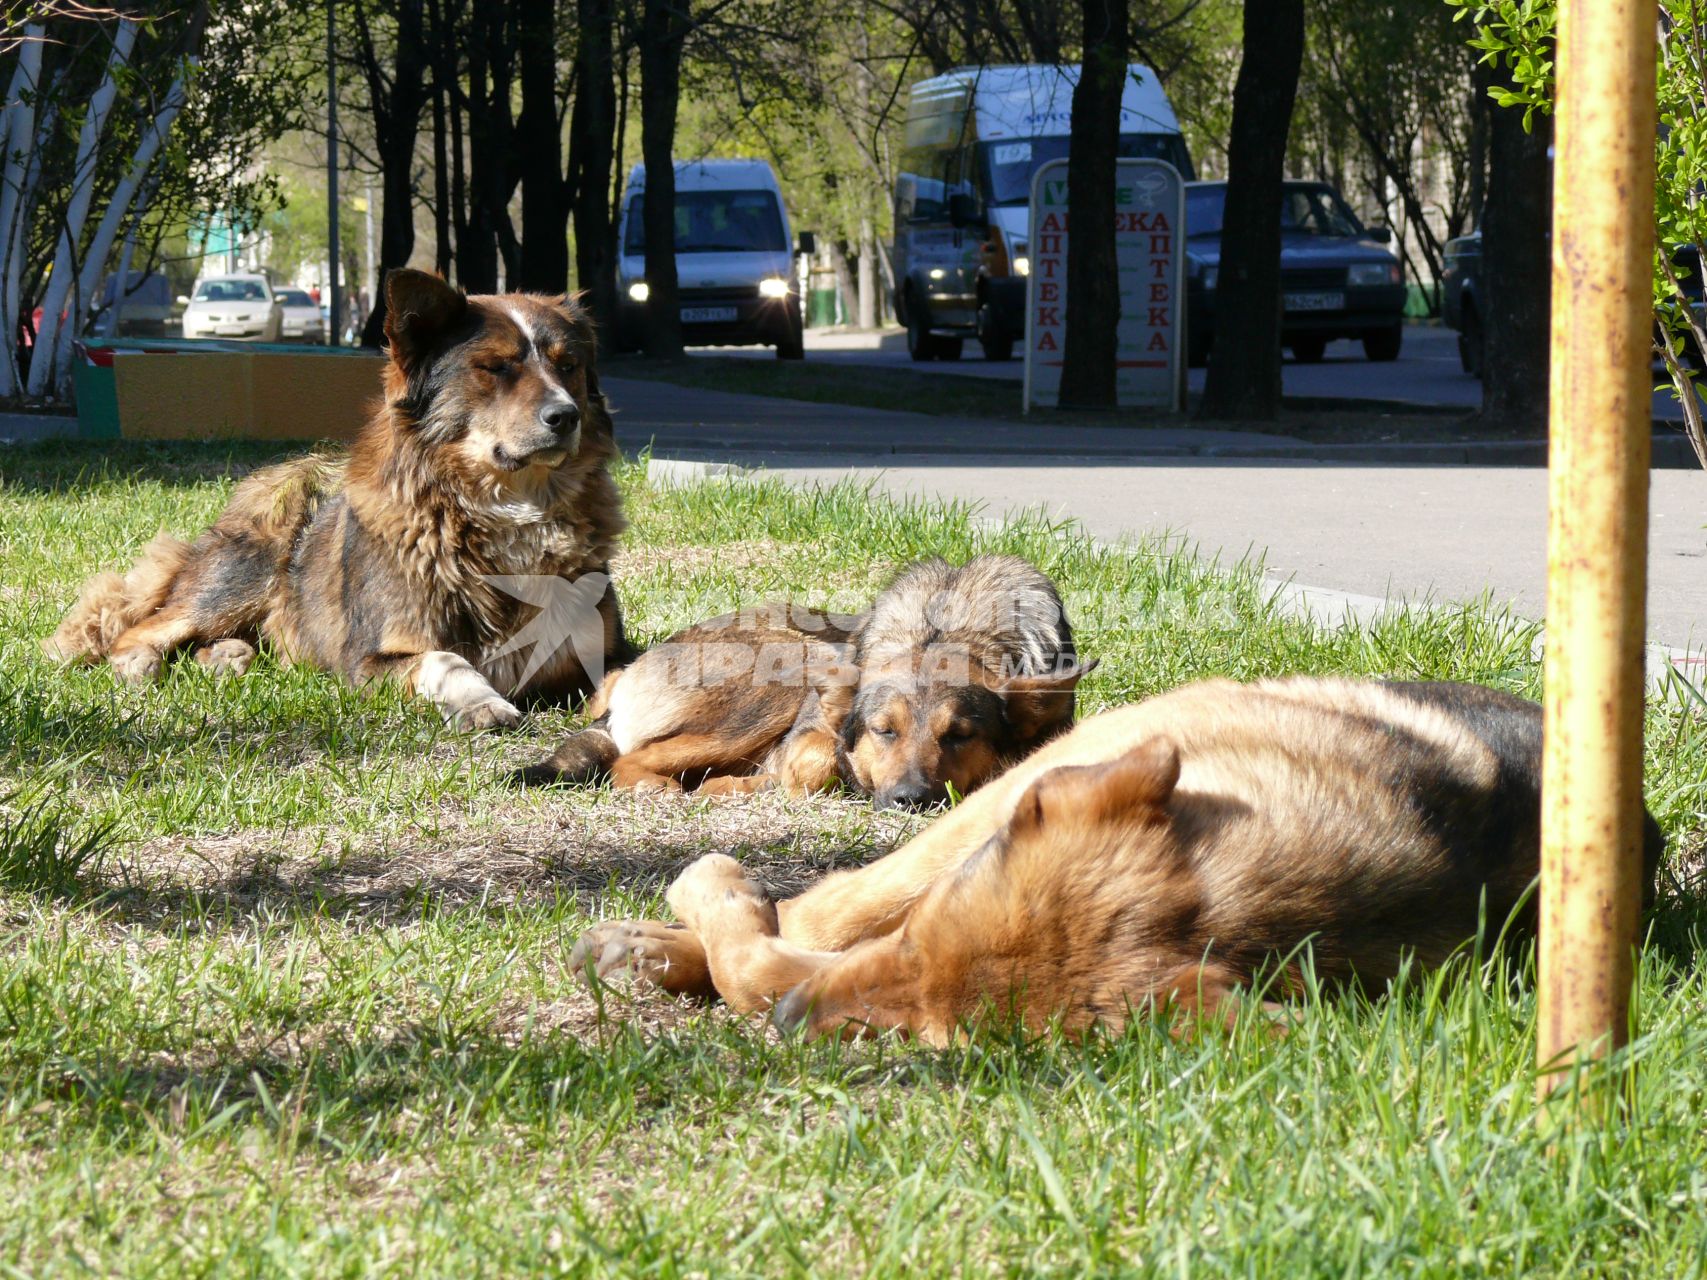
821	308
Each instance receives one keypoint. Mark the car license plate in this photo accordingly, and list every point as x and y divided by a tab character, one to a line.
231	330
1315	302
707	315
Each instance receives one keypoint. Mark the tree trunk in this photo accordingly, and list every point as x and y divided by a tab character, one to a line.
396	125
477	246
1515	305
441	182
662	31
544	262
592	146
17	141
1093	274
847	292
1476	181
119	203
1244	364
868	300
458	178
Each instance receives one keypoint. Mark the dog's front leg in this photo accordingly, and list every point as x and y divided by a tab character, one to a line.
735	920
466	698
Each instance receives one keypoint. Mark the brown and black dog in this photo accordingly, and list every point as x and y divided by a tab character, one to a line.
1166	852
951	675
487	464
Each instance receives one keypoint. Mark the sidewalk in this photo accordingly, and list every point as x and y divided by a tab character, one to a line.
714	425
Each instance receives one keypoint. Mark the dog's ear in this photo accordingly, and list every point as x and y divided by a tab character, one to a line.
419	310
1135	785
574	309
1036	706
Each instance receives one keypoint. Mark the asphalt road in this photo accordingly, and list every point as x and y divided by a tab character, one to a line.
1392	531
1427	371
1447	533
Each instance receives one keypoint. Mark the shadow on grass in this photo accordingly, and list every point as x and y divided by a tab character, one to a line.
66	466
539	857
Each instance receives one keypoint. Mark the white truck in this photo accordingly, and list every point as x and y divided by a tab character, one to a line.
974	137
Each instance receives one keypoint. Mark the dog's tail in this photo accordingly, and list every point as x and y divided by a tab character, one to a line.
584	757
110	605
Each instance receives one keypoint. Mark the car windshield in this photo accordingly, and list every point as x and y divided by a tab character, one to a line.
294	298
1305	210
715	222
1316	211
231	291
1008	166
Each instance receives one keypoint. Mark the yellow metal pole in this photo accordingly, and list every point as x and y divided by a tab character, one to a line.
1597	536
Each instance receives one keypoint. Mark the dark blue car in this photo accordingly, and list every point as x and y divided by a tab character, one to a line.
1338	277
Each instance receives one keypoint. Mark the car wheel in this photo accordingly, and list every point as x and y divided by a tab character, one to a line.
997	344
1470	342
921	343
1382	345
1308	350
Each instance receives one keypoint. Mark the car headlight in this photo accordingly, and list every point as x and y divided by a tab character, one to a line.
1209	276
639	291
1367	273
1022	264
773	287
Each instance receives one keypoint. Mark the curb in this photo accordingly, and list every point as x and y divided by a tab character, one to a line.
1671	452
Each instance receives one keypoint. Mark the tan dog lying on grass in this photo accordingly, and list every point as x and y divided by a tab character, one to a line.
1165	852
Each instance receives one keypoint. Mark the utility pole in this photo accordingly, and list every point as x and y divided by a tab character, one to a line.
1597	540
335	314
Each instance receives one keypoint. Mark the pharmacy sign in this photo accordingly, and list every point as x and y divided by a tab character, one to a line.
1149	232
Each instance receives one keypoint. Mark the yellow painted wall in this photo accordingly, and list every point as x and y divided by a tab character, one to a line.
255	395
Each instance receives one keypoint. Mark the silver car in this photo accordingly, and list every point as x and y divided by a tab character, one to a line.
239	307
302	322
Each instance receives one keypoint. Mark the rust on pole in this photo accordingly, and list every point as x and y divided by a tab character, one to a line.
1597	534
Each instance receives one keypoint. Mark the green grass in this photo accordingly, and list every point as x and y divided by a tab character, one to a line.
284	979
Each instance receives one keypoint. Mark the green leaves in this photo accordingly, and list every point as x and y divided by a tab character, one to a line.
1516	37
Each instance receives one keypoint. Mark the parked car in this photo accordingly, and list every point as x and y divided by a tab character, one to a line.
302	320
1464	298
142	308
242	307
974	138
1461	297
1338	278
734	265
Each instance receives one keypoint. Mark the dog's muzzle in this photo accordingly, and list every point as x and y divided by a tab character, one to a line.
542	451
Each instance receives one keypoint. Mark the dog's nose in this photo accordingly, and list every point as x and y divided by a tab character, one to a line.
906	795
559	416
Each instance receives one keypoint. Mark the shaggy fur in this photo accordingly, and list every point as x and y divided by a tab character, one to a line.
488	457
1167	852
951	675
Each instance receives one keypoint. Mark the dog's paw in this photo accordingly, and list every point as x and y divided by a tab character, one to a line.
649	952
226	657
727	785
716	884
488	713
137	666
